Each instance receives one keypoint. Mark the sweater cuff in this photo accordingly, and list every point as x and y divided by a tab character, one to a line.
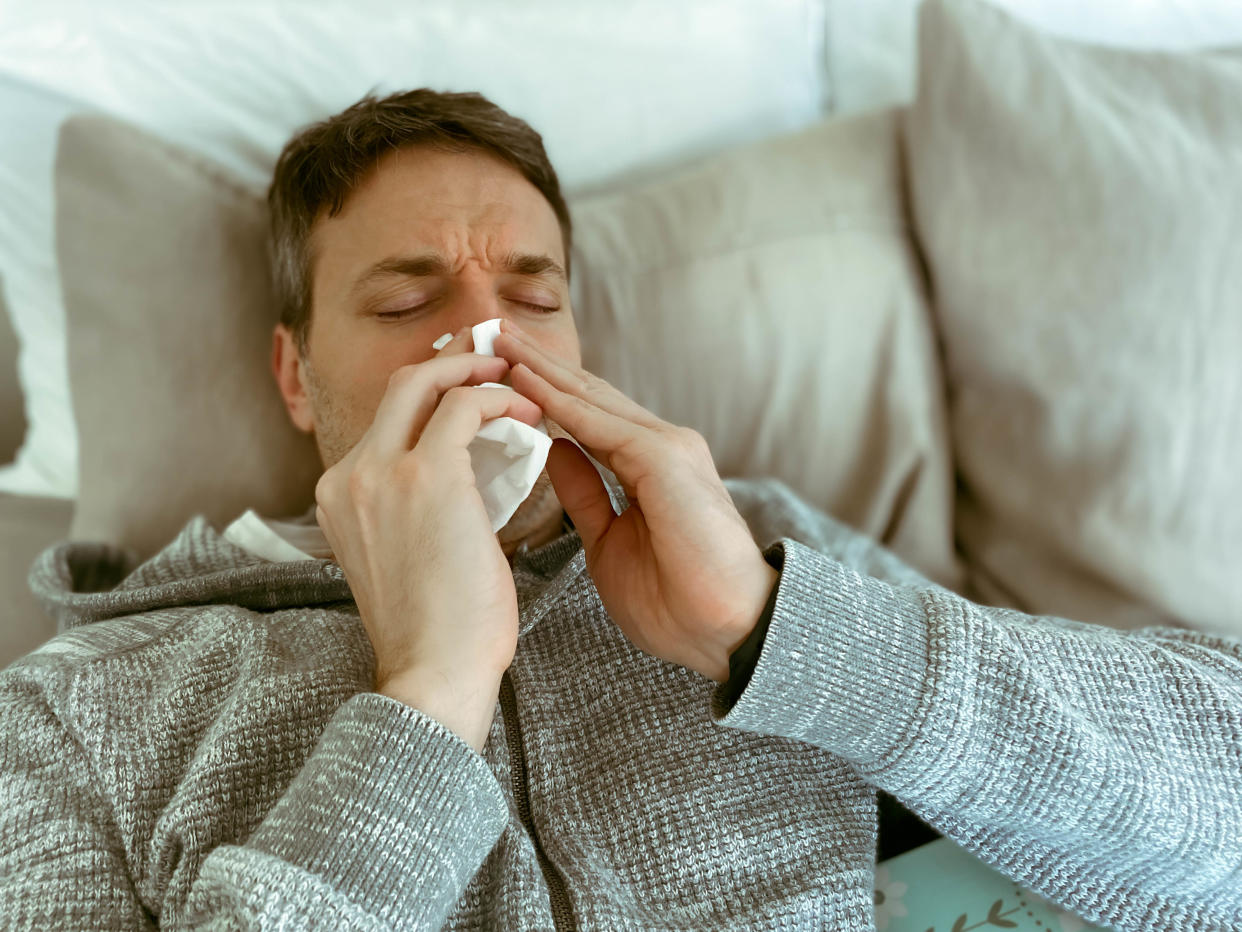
391	809
843	664
742	661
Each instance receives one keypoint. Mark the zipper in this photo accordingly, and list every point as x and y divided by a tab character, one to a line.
562	913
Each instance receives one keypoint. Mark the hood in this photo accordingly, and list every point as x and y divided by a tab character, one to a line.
77	582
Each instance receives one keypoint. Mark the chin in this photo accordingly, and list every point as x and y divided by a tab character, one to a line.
537	516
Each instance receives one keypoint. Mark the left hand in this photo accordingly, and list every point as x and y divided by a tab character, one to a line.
678	570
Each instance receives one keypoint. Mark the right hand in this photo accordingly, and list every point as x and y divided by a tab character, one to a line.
408	527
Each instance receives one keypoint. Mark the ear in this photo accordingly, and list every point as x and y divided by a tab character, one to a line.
290	376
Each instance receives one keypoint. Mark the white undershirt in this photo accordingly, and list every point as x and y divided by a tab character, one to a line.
280	541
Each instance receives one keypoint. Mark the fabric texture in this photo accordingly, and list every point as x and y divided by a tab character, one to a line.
789	264
899	830
771	298
1079	210
651	81
256	782
170	319
744	658
28	525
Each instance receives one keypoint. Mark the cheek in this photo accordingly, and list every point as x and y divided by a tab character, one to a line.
564	343
399	346
560	349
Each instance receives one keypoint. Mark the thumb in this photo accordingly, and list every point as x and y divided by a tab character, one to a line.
581	491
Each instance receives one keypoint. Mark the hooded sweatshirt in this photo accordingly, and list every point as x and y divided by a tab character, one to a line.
201	747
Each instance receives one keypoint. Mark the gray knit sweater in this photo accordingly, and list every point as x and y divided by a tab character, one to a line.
199	748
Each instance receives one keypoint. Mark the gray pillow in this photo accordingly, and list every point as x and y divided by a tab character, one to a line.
28	524
169	319
770	298
1080	211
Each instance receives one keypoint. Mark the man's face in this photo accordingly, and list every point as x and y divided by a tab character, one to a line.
471	233
430	242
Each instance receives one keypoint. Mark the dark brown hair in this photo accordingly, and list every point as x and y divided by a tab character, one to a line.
321	166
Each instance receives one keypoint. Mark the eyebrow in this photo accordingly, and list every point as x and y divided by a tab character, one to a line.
428	264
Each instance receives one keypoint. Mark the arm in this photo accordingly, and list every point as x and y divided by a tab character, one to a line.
385	825
392	814
1097	767
61	857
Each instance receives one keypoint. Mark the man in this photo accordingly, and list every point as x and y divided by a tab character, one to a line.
655	703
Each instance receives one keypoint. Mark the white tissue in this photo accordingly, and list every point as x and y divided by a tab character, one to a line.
484	335
506	454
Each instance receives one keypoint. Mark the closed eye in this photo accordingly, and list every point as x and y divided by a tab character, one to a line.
397	315
392	316
543	308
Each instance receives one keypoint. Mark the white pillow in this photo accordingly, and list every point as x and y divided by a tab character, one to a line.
612	86
871	53
32	288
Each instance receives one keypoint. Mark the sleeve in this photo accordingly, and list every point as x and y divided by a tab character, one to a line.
742	661
1099	768
62	864
383	827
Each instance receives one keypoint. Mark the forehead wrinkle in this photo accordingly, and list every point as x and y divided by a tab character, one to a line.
432	263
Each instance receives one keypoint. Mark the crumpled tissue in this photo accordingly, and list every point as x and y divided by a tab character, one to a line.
507	455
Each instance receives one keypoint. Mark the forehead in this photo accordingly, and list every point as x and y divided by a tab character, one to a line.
460	203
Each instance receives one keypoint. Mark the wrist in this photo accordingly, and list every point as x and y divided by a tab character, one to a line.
463	703
744	634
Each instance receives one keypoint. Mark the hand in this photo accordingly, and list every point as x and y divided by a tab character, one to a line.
678	570
409	529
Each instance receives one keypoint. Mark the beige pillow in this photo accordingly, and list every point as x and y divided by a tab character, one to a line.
28	524
770	299
167	292
1081	212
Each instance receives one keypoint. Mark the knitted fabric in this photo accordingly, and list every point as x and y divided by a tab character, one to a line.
199	747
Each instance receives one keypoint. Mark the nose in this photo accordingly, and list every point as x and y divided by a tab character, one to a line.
473	303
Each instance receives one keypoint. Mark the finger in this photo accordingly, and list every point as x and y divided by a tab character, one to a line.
513	346
459	342
601	433
414	392
581	491
463	410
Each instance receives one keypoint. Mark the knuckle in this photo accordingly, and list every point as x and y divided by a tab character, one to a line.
457	397
594	385
691	440
361	485
403	376
408	471
593	392
325	487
